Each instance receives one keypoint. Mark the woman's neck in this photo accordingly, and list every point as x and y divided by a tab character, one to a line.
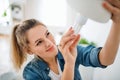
52	63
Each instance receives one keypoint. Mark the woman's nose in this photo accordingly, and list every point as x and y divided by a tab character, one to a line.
47	43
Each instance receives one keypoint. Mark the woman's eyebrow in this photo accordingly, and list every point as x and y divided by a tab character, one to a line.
39	39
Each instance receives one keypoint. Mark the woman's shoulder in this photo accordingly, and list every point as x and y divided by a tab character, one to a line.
36	64
35	68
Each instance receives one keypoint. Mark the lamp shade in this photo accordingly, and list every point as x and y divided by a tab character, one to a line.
91	9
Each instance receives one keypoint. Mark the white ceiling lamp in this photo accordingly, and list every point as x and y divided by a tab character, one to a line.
91	9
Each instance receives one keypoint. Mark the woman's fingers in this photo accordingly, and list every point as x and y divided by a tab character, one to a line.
115	3
66	39
110	8
114	10
68	44
69	40
69	32
75	42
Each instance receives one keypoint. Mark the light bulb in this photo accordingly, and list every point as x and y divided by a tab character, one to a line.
79	22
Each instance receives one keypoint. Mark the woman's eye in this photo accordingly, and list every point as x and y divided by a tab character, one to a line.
39	42
48	33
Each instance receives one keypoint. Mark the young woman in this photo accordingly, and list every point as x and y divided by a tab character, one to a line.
61	62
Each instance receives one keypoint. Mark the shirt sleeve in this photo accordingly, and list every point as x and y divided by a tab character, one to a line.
89	56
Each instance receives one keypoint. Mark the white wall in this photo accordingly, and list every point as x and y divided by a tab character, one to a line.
33	9
51	12
96	32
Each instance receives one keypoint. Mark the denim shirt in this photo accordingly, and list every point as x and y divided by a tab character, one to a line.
37	69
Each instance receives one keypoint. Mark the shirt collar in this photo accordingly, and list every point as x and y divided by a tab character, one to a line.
59	55
41	63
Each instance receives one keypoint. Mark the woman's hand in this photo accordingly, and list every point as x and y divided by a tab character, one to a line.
68	45
113	6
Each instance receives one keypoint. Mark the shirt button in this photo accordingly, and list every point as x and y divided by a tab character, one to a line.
48	68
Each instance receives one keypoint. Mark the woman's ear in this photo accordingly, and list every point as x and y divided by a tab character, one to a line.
28	51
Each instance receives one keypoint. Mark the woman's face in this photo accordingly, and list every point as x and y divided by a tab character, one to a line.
41	42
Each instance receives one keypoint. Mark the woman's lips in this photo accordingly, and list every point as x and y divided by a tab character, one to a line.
50	49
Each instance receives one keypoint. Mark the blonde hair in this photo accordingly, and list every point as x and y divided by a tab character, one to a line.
19	41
